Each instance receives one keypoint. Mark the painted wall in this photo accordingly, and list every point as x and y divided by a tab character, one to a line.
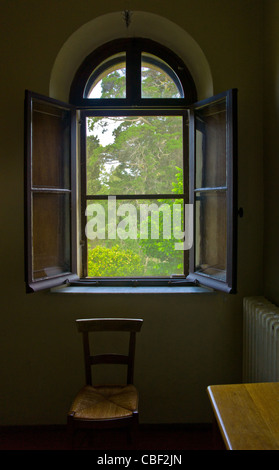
271	150
187	342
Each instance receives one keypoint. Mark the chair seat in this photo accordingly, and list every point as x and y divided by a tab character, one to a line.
105	402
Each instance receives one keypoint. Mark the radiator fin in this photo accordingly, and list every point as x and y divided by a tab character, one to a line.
260	340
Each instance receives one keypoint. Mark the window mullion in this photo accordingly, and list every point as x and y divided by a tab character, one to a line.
83	181
91	197
133	74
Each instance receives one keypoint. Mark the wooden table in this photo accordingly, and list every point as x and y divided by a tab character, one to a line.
247	415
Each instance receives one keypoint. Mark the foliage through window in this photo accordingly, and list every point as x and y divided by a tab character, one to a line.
156	180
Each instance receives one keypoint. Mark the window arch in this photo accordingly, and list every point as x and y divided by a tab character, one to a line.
133	57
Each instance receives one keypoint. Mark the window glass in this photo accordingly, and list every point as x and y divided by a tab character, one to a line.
135	237
50	234
211	234
211	152
50	143
134	154
158	80
109	79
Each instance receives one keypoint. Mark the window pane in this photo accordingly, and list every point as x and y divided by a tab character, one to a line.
211	234
135	238
50	232
158	80
211	163
50	146
134	154
109	79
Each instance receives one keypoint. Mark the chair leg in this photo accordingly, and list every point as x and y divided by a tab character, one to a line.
71	430
133	431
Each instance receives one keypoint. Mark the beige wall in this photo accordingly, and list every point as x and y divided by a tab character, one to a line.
187	342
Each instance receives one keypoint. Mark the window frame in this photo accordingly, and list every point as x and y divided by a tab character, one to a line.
133	104
133	48
33	285
230	284
118	111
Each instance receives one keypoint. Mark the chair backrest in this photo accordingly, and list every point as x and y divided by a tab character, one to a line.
129	325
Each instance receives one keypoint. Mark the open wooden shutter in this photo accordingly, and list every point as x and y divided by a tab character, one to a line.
50	192
213	191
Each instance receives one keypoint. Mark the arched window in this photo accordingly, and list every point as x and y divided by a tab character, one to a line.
150	199
145	71
135	149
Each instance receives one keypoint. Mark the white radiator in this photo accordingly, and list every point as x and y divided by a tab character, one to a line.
260	340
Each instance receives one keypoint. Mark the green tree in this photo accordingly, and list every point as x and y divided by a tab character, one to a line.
107	262
163	249
113	85
142	158
156	84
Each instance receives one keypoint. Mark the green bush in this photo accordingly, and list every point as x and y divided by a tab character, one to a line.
108	262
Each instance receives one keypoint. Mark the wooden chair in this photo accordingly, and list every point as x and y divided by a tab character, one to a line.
106	406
